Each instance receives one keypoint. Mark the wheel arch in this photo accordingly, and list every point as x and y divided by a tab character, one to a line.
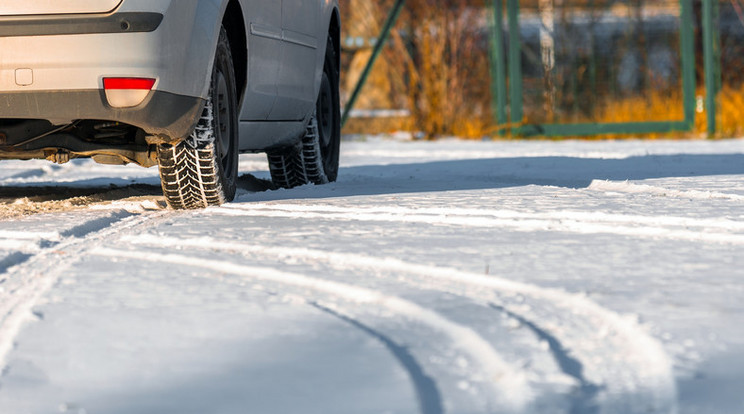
334	31
200	22
209	16
330	27
234	22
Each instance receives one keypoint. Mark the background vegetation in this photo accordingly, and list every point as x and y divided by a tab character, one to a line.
583	61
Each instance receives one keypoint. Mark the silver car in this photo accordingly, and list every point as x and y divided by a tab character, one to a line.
183	84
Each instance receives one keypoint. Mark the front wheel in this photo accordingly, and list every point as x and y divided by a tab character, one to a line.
202	171
315	159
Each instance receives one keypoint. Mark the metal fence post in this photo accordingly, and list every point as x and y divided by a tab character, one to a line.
515	66
498	66
388	26
687	51
712	52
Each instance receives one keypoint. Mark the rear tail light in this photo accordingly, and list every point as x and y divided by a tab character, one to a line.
127	92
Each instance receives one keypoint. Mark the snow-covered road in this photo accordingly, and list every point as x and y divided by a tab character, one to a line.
447	277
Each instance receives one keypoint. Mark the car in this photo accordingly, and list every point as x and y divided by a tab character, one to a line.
186	85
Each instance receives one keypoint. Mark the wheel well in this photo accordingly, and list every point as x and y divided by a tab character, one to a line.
335	33
235	27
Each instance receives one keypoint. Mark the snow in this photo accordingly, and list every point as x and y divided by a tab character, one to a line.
434	277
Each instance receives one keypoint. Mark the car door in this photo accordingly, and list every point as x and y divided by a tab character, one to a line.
264	26
296	83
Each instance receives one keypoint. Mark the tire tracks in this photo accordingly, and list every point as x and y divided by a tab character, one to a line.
584	399
630	368
508	388
578	222
652	190
427	391
13	259
33	275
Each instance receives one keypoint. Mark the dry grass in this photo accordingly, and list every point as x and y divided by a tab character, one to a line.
373	126
661	106
664	106
657	106
731	123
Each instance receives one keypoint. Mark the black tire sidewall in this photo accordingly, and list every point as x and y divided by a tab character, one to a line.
330	154
223	64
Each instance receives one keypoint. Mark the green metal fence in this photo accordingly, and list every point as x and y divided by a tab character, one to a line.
712	52
586	28
379	45
557	68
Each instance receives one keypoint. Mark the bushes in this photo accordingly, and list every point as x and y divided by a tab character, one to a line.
446	69
436	66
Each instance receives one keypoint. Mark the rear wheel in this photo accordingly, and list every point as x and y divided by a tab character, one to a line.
315	159
202	171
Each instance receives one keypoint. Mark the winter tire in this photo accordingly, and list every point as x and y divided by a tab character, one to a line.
202	171
315	159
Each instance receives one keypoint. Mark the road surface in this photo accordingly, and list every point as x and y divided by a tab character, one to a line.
445	277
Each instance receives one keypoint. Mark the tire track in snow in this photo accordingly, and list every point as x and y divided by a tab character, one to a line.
579	222
509	389
26	242
35	274
12	259
585	398
23	246
630	188
616	354
427	392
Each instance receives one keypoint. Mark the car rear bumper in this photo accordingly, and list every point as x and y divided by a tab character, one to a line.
166	115
125	22
53	67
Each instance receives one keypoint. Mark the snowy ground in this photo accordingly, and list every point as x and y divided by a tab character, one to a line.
448	277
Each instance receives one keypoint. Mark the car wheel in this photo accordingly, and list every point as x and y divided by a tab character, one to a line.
315	159
202	170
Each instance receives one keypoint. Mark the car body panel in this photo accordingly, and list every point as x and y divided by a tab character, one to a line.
263	20
285	42
301	41
42	7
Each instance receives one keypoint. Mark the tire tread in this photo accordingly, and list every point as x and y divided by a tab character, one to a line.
191	172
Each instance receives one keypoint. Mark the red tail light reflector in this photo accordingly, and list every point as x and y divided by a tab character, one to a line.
128	83
127	92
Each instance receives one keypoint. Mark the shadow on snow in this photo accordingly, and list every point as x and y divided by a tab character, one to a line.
435	176
495	173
